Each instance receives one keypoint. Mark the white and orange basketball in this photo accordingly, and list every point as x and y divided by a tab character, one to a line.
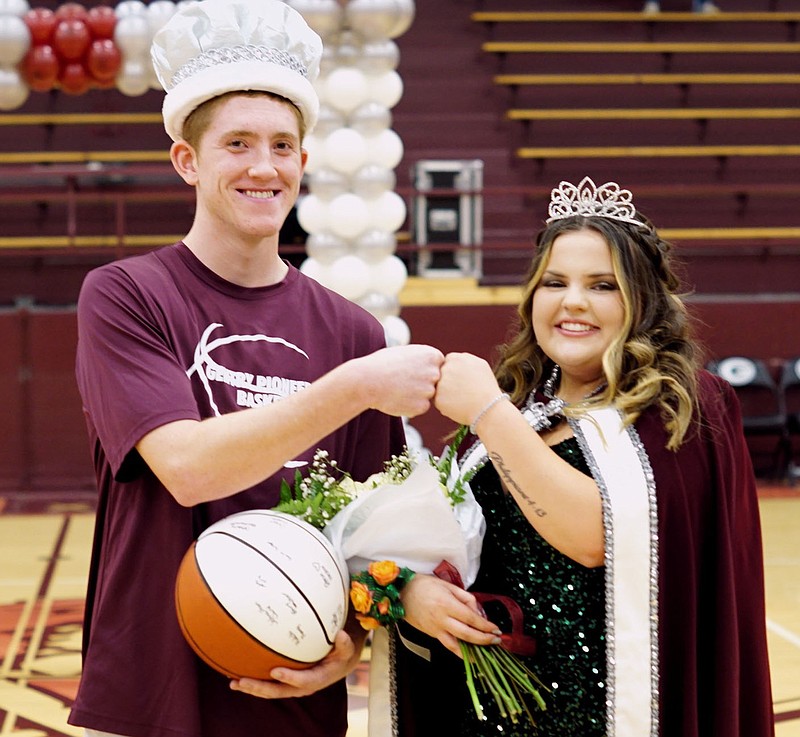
261	589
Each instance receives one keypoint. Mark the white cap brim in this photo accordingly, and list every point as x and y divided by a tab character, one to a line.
204	85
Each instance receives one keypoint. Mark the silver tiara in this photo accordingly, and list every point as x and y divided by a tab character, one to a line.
229	55
605	201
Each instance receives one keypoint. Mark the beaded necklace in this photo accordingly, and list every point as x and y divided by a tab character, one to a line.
550	415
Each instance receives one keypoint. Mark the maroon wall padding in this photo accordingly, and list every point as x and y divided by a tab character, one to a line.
44	444
60	455
12	424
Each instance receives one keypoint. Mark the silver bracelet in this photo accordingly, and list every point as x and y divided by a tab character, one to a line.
498	398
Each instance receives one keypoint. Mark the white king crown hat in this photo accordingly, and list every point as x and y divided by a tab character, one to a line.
211	47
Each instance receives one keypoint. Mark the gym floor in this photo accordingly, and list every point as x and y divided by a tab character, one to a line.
44	555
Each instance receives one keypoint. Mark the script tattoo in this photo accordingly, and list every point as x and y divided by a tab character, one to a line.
500	465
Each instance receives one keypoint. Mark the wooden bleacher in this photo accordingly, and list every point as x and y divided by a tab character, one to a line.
490	17
81	157
645	47
610	152
515	80
699	114
607	87
652	113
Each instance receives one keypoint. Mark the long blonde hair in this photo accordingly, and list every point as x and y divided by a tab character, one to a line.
653	361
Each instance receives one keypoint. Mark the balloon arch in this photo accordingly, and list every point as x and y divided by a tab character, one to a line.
351	211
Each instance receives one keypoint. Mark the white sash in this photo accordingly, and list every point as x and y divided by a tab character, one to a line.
619	464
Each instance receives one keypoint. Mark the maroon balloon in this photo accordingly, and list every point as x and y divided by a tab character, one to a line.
39	68
41	23
71	11
103	60
101	21
71	39
74	79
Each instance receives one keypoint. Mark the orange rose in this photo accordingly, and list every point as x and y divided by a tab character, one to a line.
383	605
368	623
361	597
384	572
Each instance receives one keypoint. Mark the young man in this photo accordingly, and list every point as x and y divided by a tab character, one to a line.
210	370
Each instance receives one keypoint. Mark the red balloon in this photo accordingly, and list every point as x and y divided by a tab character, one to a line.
105	84
41	23
71	11
104	59
101	20
71	39
39	68
74	78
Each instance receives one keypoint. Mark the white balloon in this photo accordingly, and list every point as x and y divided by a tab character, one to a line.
323	16
158	13
134	77
372	180
387	212
376	19
396	331
312	213
345	89
374	245
315	149
154	82
130	7
315	270
328	121
345	150
15	40
348	215
347	49
379	56
385	88
326	247
370	118
14	7
327	183
13	90
404	17
132	35
388	276
379	305
385	149
349	276
327	64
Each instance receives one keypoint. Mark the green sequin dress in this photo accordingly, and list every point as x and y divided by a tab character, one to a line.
564	608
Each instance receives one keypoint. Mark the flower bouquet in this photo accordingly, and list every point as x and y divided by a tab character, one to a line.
416	516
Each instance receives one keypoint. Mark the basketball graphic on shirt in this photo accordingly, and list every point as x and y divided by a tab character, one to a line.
261	589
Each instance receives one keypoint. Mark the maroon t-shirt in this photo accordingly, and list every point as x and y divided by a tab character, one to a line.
162	338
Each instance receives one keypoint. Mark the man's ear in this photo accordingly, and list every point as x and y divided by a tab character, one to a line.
184	159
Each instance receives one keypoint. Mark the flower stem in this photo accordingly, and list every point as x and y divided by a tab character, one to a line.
498	673
467	655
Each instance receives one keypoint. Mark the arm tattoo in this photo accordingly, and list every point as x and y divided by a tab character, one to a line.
500	465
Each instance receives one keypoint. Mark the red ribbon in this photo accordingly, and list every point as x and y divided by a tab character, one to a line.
516	641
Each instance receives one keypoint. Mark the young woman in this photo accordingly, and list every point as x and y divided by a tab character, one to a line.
619	497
